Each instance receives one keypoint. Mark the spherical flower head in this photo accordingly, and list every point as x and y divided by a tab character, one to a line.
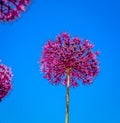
5	80
11	9
69	53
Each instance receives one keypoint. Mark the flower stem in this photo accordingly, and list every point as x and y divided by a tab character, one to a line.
67	96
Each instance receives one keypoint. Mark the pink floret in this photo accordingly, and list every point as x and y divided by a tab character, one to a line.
11	9
66	52
5	80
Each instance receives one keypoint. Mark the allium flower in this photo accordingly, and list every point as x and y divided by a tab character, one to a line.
5	80
67	60
69	53
11	9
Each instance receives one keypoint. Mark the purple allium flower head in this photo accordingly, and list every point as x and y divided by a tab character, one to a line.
5	80
69	53
11	9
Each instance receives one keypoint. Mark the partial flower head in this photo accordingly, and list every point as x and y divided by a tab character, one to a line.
11	9
5	80
69	53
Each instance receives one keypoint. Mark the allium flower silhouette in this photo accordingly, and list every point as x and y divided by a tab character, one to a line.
67	60
11	9
5	80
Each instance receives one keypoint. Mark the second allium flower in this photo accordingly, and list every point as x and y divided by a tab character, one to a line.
11	9
5	80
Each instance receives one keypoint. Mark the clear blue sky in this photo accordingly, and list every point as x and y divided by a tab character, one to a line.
33	99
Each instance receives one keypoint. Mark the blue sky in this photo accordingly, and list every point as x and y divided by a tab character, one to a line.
33	99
